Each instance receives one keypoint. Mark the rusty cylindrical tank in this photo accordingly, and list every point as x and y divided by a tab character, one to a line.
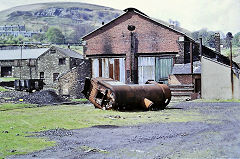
106	93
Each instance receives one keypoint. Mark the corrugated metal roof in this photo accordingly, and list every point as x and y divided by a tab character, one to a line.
70	53
185	68
26	54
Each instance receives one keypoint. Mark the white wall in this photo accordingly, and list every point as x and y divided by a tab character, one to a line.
216	81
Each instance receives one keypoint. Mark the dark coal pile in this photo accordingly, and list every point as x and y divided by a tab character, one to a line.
43	97
12	94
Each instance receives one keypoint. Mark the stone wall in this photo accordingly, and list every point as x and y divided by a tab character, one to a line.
72	83
26	69
49	64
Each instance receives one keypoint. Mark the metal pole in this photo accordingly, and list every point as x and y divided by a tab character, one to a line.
231	68
21	64
191	56
200	47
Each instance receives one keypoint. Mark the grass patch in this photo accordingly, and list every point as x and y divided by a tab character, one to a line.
2	89
79	100
226	51
11	106
6	79
217	100
26	120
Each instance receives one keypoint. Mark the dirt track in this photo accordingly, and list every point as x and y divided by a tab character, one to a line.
216	137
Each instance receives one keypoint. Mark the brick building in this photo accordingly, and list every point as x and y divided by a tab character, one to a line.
134	48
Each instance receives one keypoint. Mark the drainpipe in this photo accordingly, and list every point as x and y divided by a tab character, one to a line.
131	62
191	59
231	69
134	59
191	56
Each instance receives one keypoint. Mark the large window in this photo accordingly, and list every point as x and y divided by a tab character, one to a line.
62	61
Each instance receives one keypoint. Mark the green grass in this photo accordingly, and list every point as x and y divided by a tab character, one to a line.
7	79
11	106
3	89
79	100
26	120
226	51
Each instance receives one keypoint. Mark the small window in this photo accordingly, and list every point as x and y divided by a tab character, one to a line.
41	75
17	63
31	62
55	76
52	51
62	61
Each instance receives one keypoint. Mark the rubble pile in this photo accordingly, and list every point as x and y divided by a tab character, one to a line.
42	97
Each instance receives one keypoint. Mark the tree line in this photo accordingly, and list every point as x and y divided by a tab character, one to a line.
52	35
208	38
56	36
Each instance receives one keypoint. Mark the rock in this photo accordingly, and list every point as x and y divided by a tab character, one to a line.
5	131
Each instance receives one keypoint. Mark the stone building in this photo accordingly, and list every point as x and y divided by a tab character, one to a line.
20	63
72	82
56	61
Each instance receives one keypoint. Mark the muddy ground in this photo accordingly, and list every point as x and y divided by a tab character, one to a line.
216	137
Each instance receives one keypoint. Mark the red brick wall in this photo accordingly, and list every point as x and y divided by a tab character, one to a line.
182	79
115	37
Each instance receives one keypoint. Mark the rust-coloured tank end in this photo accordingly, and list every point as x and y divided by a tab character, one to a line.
106	93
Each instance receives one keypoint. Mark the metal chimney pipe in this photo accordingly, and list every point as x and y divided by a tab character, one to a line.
217	42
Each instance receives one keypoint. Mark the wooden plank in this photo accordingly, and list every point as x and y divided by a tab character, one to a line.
122	69
116	69
163	68
105	67
100	67
110	69
95	68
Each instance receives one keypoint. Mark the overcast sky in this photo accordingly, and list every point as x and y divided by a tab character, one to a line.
193	15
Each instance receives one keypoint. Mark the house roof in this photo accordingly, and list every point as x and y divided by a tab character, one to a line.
186	68
69	52
26	54
159	22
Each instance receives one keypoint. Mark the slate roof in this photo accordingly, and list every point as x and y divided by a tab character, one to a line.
26	54
69	52
185	68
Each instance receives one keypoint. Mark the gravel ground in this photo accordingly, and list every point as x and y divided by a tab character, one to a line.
216	137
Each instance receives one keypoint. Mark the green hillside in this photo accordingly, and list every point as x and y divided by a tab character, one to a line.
70	17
